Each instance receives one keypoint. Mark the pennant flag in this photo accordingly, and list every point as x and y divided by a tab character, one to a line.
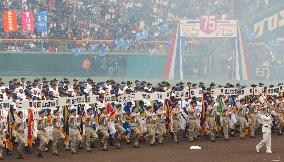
10	21
27	19
173	67
30	124
42	22
220	108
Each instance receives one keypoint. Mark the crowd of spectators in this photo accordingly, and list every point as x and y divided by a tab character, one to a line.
117	20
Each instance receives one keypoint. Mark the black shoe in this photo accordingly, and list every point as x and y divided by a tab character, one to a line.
74	152
67	149
252	136
55	154
1	158
153	144
20	157
135	146
104	149
89	151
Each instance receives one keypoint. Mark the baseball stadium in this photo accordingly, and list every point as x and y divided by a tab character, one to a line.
141	80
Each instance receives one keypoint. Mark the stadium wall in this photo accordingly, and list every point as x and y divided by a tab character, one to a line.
66	64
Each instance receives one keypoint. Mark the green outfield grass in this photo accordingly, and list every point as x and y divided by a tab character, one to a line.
153	81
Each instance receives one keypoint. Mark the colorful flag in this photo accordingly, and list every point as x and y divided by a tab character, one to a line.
168	109
27	19
30	123
42	22
10	21
110	110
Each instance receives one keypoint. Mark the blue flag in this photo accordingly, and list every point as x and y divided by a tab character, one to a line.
42	22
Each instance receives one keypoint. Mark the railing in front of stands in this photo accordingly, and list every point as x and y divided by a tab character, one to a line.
85	45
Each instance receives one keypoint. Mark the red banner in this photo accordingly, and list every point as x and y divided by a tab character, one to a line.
10	21
27	19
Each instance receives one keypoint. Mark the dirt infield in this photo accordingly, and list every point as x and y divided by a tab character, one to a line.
235	150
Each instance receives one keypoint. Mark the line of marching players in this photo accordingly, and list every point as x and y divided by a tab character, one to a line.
153	123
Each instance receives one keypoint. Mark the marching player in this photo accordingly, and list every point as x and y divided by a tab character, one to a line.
279	113
176	121
19	133
134	122
151	121
211	114
225	119
1	135
103	121
119	119
42	135
56	132
74	131
266	122
90	132
254	111
184	116
243	112
160	124
193	121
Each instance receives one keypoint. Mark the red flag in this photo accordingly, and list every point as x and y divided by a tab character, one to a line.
110	110
30	131
10	21
27	19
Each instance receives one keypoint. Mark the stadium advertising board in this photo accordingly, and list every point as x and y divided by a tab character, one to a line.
208	26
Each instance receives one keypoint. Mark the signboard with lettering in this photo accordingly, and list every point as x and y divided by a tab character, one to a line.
208	26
